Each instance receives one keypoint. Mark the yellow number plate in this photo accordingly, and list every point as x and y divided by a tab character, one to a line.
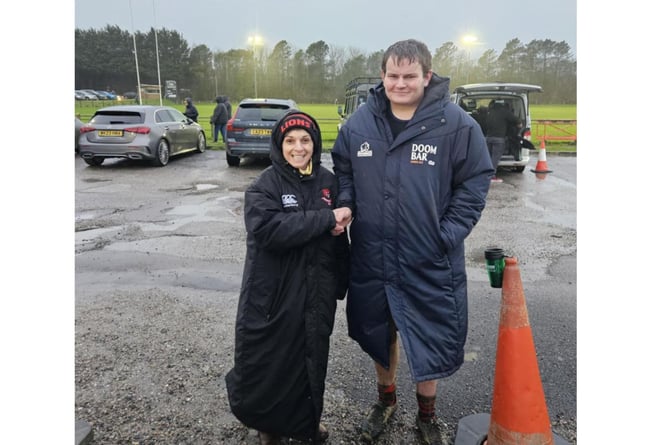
116	133
263	132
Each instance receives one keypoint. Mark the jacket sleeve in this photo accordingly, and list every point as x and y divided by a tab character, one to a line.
343	170
472	171
276	229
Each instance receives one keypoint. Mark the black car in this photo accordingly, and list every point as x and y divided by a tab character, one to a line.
250	128
355	95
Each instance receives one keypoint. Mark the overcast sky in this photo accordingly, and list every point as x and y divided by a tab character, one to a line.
366	25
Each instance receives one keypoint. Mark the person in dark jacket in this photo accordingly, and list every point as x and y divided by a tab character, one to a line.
296	269
414	171
228	107
500	122
190	111
219	119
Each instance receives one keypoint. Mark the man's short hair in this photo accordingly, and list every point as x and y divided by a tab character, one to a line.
411	50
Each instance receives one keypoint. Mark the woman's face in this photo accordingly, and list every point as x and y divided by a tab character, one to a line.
298	148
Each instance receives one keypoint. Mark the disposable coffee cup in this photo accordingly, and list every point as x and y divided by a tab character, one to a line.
494	262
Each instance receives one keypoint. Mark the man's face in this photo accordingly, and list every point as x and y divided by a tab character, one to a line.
404	82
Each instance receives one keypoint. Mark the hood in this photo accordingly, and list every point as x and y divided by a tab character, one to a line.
219	99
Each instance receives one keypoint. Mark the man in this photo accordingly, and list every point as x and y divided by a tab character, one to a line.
414	171
219	119
500	123
191	111
228	108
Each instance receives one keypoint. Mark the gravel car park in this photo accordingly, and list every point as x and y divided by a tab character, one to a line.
159	258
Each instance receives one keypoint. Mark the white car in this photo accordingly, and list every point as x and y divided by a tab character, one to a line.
476	98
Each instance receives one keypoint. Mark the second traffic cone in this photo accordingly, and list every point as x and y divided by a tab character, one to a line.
519	414
542	165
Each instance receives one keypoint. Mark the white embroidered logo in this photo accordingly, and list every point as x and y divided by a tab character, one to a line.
289	201
365	150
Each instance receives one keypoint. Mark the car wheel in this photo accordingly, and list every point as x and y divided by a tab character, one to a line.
162	153
201	143
94	161
233	161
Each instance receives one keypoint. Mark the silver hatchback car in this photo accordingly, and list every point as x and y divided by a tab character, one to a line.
476	98
143	132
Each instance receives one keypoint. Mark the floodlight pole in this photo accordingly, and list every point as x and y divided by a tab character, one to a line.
134	44
155	33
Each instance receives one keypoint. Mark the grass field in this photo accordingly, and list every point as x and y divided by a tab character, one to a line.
327	117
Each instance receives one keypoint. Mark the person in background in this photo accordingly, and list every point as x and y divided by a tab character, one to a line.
414	172
191	111
500	121
296	269
228	107
219	119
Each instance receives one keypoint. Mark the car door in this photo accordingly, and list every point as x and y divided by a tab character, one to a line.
171	128
186	132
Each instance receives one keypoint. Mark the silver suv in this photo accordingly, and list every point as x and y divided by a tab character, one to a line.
476	98
250	128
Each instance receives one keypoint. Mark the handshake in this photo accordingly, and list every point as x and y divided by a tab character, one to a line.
343	216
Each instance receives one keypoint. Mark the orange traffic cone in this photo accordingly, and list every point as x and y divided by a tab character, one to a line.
519	414
542	165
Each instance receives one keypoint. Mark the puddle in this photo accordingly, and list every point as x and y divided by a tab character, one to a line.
200	187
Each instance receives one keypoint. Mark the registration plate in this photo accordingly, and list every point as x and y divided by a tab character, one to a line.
260	131
108	133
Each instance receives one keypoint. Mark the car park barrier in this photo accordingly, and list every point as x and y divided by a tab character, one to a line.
560	130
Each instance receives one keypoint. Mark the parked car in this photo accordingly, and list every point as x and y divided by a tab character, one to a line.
77	126
250	128
355	95
97	94
87	95
476	99
130	94
78	95
143	132
108	95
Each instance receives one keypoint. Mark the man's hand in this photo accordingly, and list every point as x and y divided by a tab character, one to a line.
343	216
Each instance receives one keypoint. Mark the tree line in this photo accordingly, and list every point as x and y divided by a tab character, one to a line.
105	59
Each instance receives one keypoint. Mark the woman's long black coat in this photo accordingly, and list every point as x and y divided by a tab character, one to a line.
294	273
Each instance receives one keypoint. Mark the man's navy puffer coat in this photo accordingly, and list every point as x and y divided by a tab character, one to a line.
414	199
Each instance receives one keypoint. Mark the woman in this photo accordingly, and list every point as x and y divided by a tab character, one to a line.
295	270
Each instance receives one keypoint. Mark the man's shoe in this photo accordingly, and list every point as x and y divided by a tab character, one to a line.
429	431
376	420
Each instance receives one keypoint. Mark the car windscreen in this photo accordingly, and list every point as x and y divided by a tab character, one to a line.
261	113
117	117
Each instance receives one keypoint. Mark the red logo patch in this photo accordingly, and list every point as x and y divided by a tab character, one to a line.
326	196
